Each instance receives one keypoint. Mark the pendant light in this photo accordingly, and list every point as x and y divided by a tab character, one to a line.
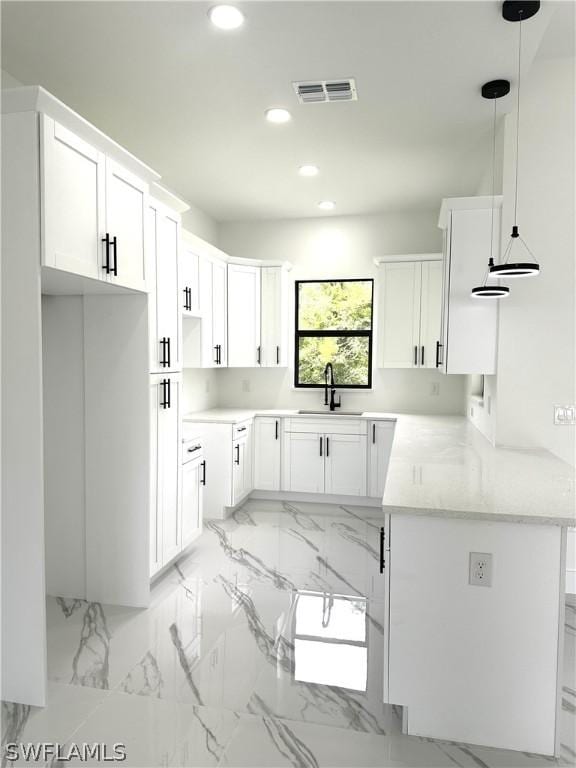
517	11
494	90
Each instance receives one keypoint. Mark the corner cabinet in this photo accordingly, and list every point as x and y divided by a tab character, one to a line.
244	349
93	211
274	319
409	311
469	326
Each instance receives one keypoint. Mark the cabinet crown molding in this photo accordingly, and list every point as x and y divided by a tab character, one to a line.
34	98
465	203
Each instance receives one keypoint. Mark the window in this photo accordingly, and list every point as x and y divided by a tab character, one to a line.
334	325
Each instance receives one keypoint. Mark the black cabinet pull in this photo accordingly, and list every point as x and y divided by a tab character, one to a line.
277	355
320	446
168	346
276	433
106	265
193	450
327	446
216	353
242	429
416	355
165	402
114	269
163	361
186	302
382	560
203	480
422	356
259	355
168	393
438	361
373	433
237	459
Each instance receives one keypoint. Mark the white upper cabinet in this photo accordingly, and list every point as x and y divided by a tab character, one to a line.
189	282
219	313
244	348
274	317
469	325
73	202
93	211
409	311
163	233
126	204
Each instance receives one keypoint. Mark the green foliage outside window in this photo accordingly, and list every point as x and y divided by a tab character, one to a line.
334	324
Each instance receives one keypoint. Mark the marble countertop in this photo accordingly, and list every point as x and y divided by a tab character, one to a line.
442	466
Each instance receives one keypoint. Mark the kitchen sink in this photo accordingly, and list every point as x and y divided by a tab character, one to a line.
337	412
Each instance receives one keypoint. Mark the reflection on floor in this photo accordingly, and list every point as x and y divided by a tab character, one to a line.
262	648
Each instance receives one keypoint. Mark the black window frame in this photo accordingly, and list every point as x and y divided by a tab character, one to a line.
298	334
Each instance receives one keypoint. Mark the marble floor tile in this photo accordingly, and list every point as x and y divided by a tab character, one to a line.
262	647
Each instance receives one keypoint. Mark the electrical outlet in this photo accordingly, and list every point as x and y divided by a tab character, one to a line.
245	385
435	388
480	569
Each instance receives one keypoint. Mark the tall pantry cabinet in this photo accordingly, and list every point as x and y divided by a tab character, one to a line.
165	383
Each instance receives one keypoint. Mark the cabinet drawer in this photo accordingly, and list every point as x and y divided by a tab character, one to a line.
327	424
241	430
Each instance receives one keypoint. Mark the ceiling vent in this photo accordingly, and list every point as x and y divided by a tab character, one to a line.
317	91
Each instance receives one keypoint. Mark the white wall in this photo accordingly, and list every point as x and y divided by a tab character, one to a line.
200	224
332	247
536	358
8	81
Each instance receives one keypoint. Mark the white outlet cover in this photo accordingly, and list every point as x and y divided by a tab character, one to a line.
480	569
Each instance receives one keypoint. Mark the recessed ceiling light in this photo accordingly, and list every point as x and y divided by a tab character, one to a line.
278	115
327	205
308	170
226	17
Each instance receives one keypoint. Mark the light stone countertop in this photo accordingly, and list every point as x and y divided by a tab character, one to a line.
442	466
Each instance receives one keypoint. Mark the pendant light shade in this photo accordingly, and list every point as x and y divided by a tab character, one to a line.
517	11
494	90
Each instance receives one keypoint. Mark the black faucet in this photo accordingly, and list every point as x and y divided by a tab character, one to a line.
333	404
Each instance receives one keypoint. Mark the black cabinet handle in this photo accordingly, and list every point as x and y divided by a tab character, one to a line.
106	265
163	361
415	355
277	355
203	480
438	361
114	269
218	354
320	446
327	446
373	433
168	345
242	429
187	301
422	356
237	459
382	560
165	402
276	432
259	355
193	450
168	391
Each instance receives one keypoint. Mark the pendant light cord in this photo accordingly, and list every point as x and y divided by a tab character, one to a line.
493	189
518	121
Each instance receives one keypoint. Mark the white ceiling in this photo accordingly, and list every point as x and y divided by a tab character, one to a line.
189	99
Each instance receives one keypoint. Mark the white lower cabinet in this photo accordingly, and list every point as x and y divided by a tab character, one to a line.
267	453
325	462
193	481
165	516
380	437
242	463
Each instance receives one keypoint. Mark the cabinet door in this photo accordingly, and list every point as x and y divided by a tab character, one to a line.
304	463
248	464
126	207
238	471
73	202
274	339
169	460
191	501
219	310
168	318
155	510
399	315
189	283
380	436
243	316
345	471
267	457
430	312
